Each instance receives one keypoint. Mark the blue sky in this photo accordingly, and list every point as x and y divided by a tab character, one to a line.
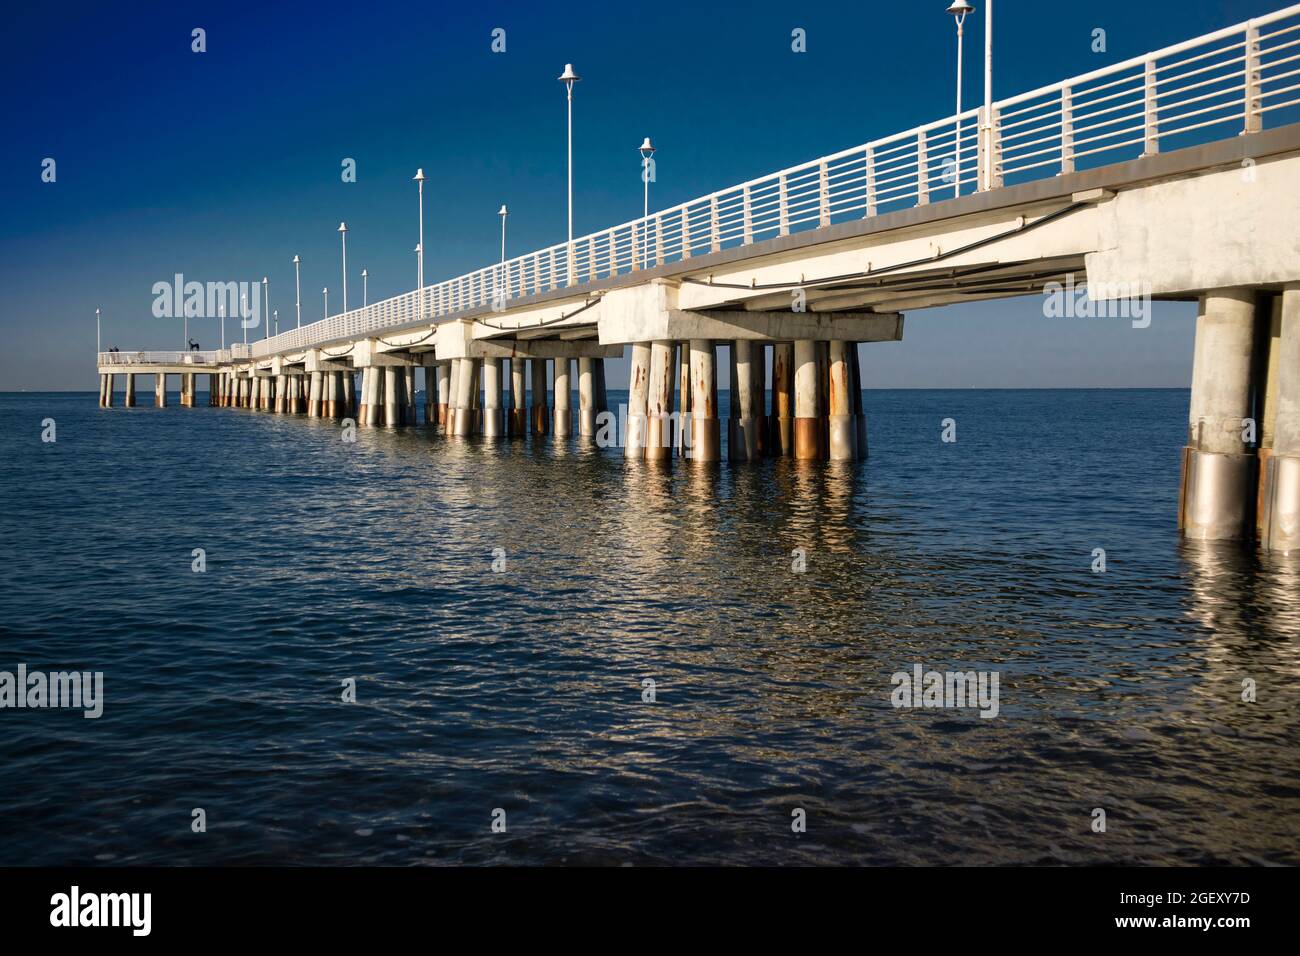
223	165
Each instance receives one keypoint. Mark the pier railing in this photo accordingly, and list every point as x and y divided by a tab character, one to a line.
161	358
1240	79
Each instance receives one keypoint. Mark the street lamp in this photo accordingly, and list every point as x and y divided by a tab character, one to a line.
243	314
326	292
568	78
647	150
297	288
503	212
988	94
959	10
221	311
266	303
99	345
365	288
343	234
276	314
419	250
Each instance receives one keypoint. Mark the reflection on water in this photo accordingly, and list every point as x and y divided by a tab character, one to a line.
524	690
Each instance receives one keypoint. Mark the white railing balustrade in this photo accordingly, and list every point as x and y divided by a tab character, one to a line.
193	357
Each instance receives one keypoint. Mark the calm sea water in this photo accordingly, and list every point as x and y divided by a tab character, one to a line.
523	690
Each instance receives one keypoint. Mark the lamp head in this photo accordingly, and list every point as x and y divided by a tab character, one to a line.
568	76
960	8
647	148
419	175
343	227
503	211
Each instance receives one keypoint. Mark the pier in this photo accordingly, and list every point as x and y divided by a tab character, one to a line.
1174	176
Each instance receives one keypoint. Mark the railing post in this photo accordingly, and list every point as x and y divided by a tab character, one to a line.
1067	130
659	240
823	195
637	239
1150	110
783	206
571	272
922	171
686	232
1254	120
990	145
869	183
747	217
715	242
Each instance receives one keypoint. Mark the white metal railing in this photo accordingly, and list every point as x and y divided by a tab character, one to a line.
1235	80
161	358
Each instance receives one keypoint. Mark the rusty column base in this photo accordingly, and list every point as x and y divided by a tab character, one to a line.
659	438
807	443
706	439
518	422
743	439
541	419
781	431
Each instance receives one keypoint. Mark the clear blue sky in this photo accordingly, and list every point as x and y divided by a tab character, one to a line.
223	165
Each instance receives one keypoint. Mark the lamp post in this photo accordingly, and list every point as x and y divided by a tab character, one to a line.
419	250
365	288
647	150
343	234
297	288
221	311
326	292
243	314
99	345
988	94
959	10
503	212
266	304
568	78
276	315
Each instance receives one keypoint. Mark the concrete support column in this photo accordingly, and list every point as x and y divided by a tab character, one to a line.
859	413
563	389
586	398
442	376
462	412
824	397
742	423
758	396
432	395
683	373
1219	478
540	414
659	403
375	397
394	381
706	432
782	417
518	398
476	397
638	393
314	396
412	413
128	400
807	418
842	422
494	424
159	390
363	409
453	395
1280	522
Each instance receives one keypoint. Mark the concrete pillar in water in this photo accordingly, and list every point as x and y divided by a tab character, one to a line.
412	415
842	422
659	403
363	408
760	397
462	413
1218	480
859	413
375	396
128	400
393	385
781	420
742	422
476	397
518	422
563	389
494	424
807	417
586	398
706	431
1280	524
442	377
638	395
453	393
313	395
824	396
540	413
683	373
159	390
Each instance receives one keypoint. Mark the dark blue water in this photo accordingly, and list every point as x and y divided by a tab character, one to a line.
523	690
